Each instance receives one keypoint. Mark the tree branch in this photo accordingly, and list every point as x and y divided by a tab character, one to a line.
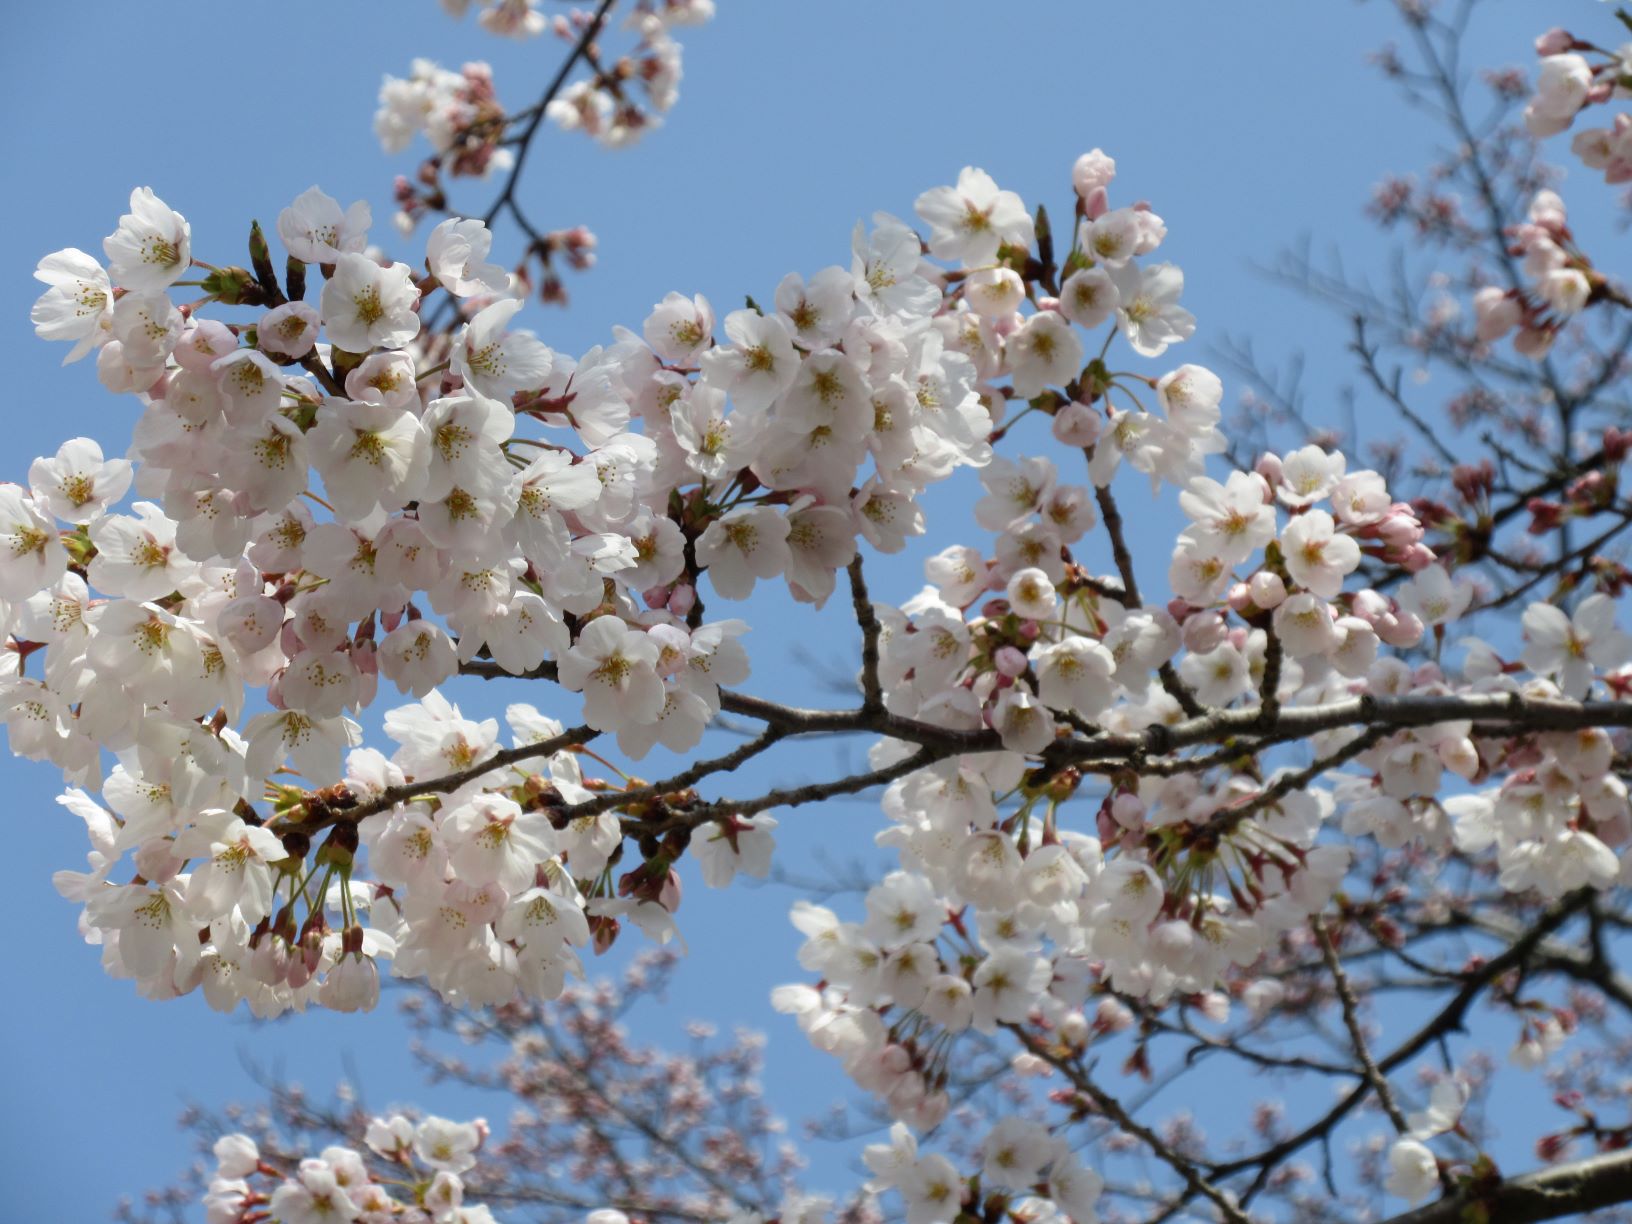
871	688
1108	1105
322	813
1351	1021
1546	1194
1112	517
1447	1020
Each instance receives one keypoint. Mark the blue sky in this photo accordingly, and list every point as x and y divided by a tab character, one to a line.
1245	127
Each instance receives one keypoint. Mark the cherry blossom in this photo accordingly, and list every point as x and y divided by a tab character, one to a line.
364	304
314	228
1114	805
152	247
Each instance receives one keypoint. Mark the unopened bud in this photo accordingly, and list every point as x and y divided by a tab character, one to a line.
1267	589
1009	661
1076	424
1555	41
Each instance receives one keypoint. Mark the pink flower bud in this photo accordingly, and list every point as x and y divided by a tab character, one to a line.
1269	467
1048	303
1203	632
1555	42
1617	444
930	1112
1544	515
1425	674
1588	488
1369	606
1092	172
1112	1016
1074	1029
1459	756
1496	312
1399	528
1268	590
1417	558
669	895
1105	826
906	1092
683	599
1009	661
1402	629
1533	342
656	597
1128	811
1077	425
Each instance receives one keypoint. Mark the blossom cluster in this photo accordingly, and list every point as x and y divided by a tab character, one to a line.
626	99
454	536
1025	1168
471	133
519	19
1567	83
1562	278
334	494
1002	914
458	113
1562	283
419	1179
460	116
444	540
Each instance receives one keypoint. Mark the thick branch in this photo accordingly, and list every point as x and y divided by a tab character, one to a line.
726	763
1145	751
794	796
1491	713
1547	1194
391	796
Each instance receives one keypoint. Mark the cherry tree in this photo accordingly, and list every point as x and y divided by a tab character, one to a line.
1350	785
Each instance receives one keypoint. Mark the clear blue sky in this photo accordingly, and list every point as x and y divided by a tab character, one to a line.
1246	127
